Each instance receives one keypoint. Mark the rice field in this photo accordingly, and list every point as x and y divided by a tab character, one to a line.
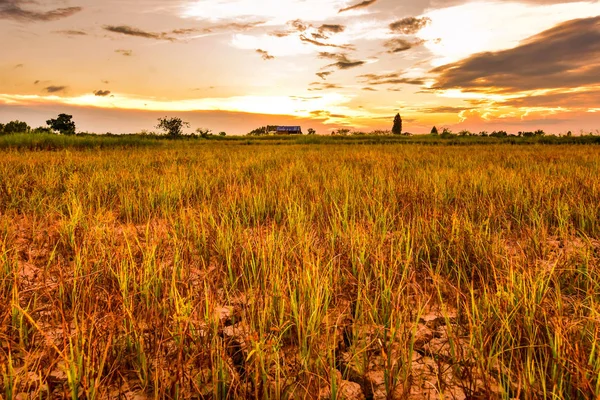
220	271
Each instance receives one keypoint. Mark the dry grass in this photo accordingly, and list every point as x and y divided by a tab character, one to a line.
218	271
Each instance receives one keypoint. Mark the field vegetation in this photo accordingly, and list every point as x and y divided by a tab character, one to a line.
204	269
49	141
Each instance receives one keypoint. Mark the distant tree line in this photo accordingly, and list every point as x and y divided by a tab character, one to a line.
63	124
447	133
173	128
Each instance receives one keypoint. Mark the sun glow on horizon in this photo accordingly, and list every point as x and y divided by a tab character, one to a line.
327	105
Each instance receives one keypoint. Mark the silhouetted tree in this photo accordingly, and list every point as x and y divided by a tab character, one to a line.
397	128
63	124
204	133
222	133
434	131
173	127
1	129
16	127
311	131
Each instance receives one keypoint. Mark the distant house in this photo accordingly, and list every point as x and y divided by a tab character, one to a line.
289	130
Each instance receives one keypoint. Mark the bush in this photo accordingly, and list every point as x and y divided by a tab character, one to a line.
447	134
499	134
380	133
258	131
42	130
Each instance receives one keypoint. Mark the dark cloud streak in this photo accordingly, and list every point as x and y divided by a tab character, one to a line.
55	89
126	53
265	54
101	93
326	114
173	35
227	26
131	31
409	26
393	78
398	45
323	75
444	110
362	4
323	86
566	56
342	60
333	28
72	33
322	44
12	9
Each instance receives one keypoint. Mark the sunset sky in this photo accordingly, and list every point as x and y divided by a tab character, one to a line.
234	65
